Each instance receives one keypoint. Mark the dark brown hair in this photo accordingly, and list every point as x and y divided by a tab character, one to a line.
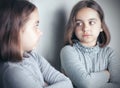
104	36
13	16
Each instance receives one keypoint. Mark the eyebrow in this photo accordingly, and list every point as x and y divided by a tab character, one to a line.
78	20
92	19
88	19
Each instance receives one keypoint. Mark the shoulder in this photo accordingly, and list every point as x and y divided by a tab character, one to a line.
68	51
13	71
107	50
36	56
17	77
12	68
41	61
68	48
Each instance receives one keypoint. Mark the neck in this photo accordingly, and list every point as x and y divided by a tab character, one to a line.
88	44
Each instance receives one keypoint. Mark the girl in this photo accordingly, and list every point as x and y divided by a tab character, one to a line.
86	59
20	66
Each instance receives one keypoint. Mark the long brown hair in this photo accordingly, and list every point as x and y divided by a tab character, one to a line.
13	16
104	36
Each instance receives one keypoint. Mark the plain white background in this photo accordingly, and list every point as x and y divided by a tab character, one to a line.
53	17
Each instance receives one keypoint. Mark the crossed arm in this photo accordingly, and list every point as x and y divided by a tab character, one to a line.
76	71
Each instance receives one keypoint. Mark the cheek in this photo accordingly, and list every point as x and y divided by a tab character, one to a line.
33	35
38	33
78	32
28	38
96	34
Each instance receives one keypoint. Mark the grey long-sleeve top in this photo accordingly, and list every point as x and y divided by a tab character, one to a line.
32	72
86	66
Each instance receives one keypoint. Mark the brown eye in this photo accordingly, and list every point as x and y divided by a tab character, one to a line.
37	24
79	23
92	22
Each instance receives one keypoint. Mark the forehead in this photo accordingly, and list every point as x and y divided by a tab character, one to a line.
33	19
34	15
87	13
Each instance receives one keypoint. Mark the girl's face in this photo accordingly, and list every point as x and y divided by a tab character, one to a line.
88	26
30	33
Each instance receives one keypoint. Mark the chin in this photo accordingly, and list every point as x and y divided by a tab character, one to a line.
29	51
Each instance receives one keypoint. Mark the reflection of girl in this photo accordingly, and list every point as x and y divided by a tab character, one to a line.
19	66
86	59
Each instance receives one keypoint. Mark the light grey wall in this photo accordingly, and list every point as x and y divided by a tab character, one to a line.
53	16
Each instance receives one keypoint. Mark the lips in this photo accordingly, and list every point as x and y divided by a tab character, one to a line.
86	35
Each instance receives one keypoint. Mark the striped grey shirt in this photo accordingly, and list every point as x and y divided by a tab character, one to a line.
32	72
86	66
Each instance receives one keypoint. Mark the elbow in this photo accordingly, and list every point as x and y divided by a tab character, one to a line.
66	82
85	84
91	84
69	83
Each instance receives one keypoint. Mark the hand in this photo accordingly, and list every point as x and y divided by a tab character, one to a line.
108	73
45	85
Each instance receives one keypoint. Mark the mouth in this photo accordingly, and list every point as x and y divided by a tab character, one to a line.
86	35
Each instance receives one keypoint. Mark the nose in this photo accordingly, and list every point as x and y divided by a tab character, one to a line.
39	32
86	27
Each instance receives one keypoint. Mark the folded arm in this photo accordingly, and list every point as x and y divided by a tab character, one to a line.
75	69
